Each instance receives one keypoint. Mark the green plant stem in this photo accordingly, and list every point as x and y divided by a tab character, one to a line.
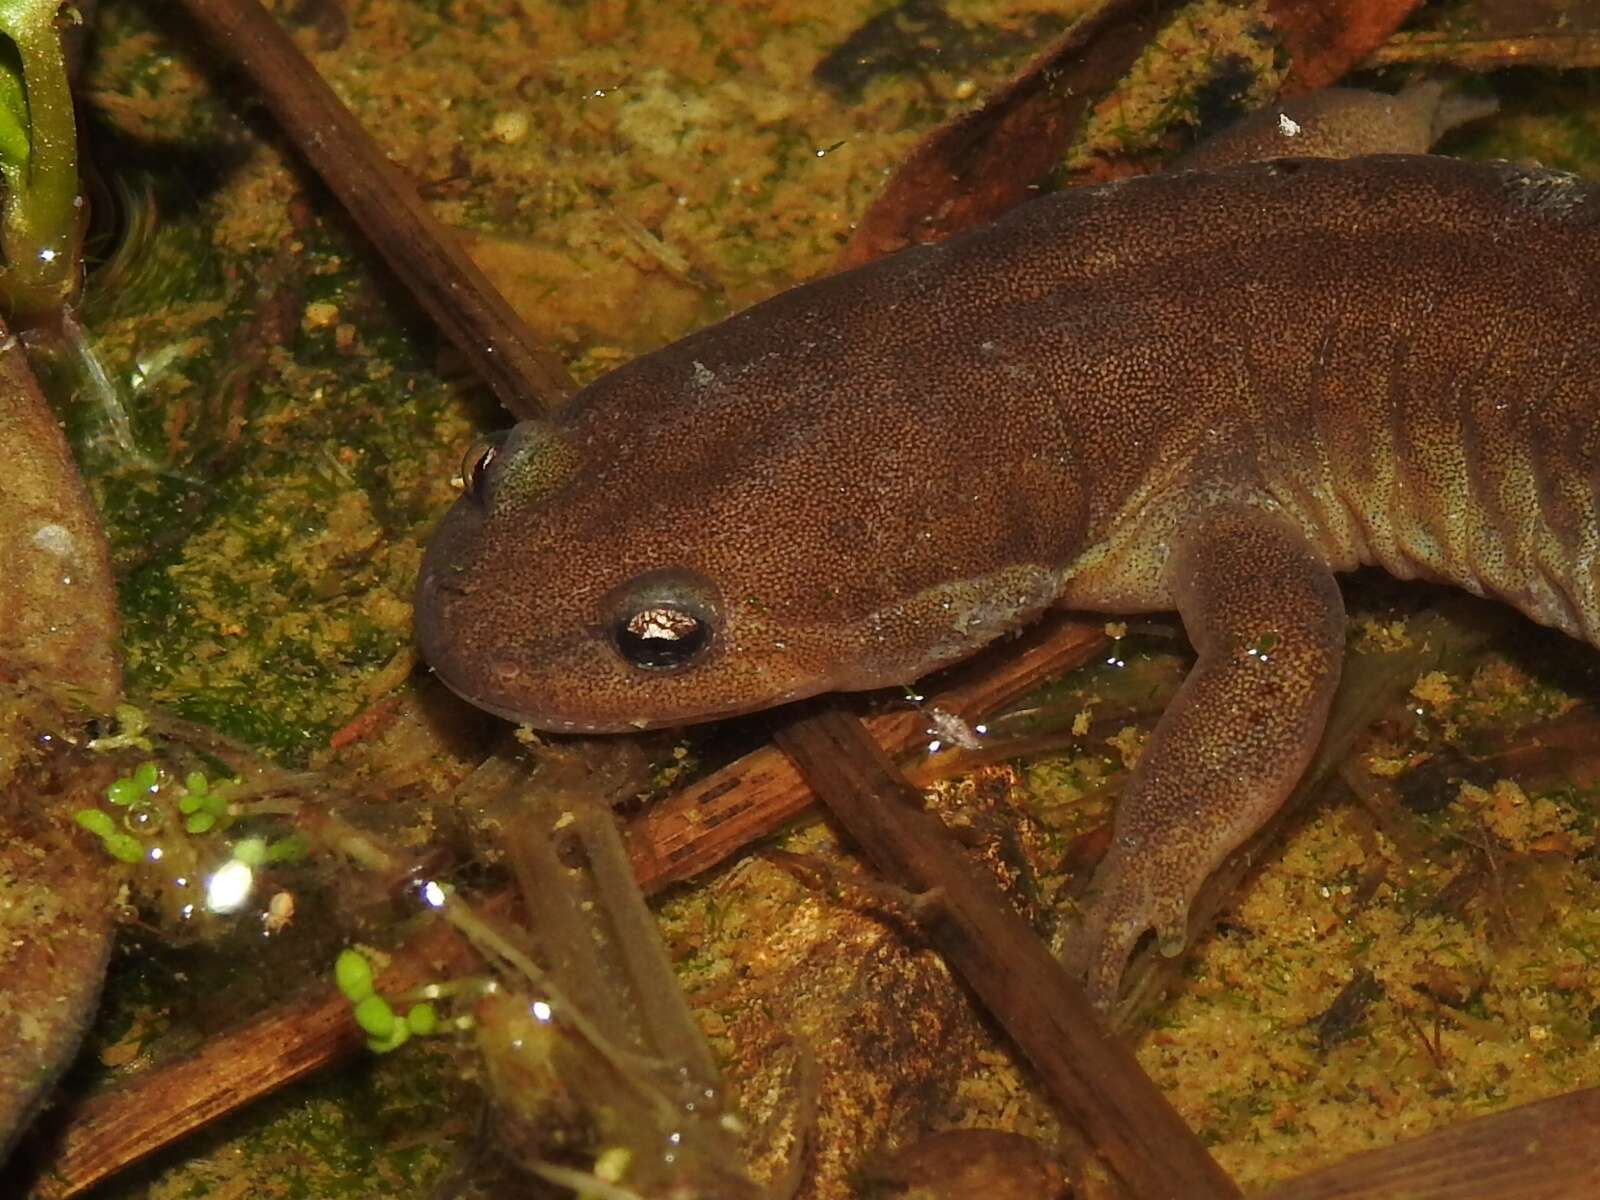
41	223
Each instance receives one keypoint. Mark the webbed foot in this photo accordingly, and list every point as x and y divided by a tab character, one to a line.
1133	896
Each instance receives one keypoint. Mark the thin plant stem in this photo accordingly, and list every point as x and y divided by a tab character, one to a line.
42	221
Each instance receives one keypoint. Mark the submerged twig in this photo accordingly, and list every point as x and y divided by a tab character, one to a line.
657	1097
1324	39
717	816
1093	1076
1479	51
1541	1151
528	379
636	943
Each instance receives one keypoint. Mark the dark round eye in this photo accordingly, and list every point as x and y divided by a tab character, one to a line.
662	638
475	467
663	620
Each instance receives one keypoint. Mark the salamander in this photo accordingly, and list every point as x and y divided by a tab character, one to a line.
1203	391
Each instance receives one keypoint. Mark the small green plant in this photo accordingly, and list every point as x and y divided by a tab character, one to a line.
201	804
386	1029
134	795
130	789
131	732
123	847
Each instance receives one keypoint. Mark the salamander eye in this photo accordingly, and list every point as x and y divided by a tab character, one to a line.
661	637
663	620
481	455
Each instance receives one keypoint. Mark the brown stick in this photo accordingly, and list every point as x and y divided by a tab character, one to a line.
1094	1077
716	817
528	379
1477	52
1548	1150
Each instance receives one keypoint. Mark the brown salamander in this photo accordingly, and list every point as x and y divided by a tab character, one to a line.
1203	391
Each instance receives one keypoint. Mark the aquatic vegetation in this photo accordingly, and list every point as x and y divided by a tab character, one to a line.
202	804
597	1075
146	795
131	725
127	790
123	847
386	1029
41	218
162	817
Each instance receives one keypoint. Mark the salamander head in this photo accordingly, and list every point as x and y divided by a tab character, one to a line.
802	498
619	594
572	642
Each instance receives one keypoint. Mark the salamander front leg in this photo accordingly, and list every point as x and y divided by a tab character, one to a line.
1265	616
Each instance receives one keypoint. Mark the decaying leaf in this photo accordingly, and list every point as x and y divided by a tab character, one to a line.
1327	38
973	168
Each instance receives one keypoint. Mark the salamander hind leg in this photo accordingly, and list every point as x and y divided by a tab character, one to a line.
1267	622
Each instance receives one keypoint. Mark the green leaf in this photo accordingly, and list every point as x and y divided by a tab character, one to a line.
376	1017
353	973
422	1019
13	129
124	846
96	821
